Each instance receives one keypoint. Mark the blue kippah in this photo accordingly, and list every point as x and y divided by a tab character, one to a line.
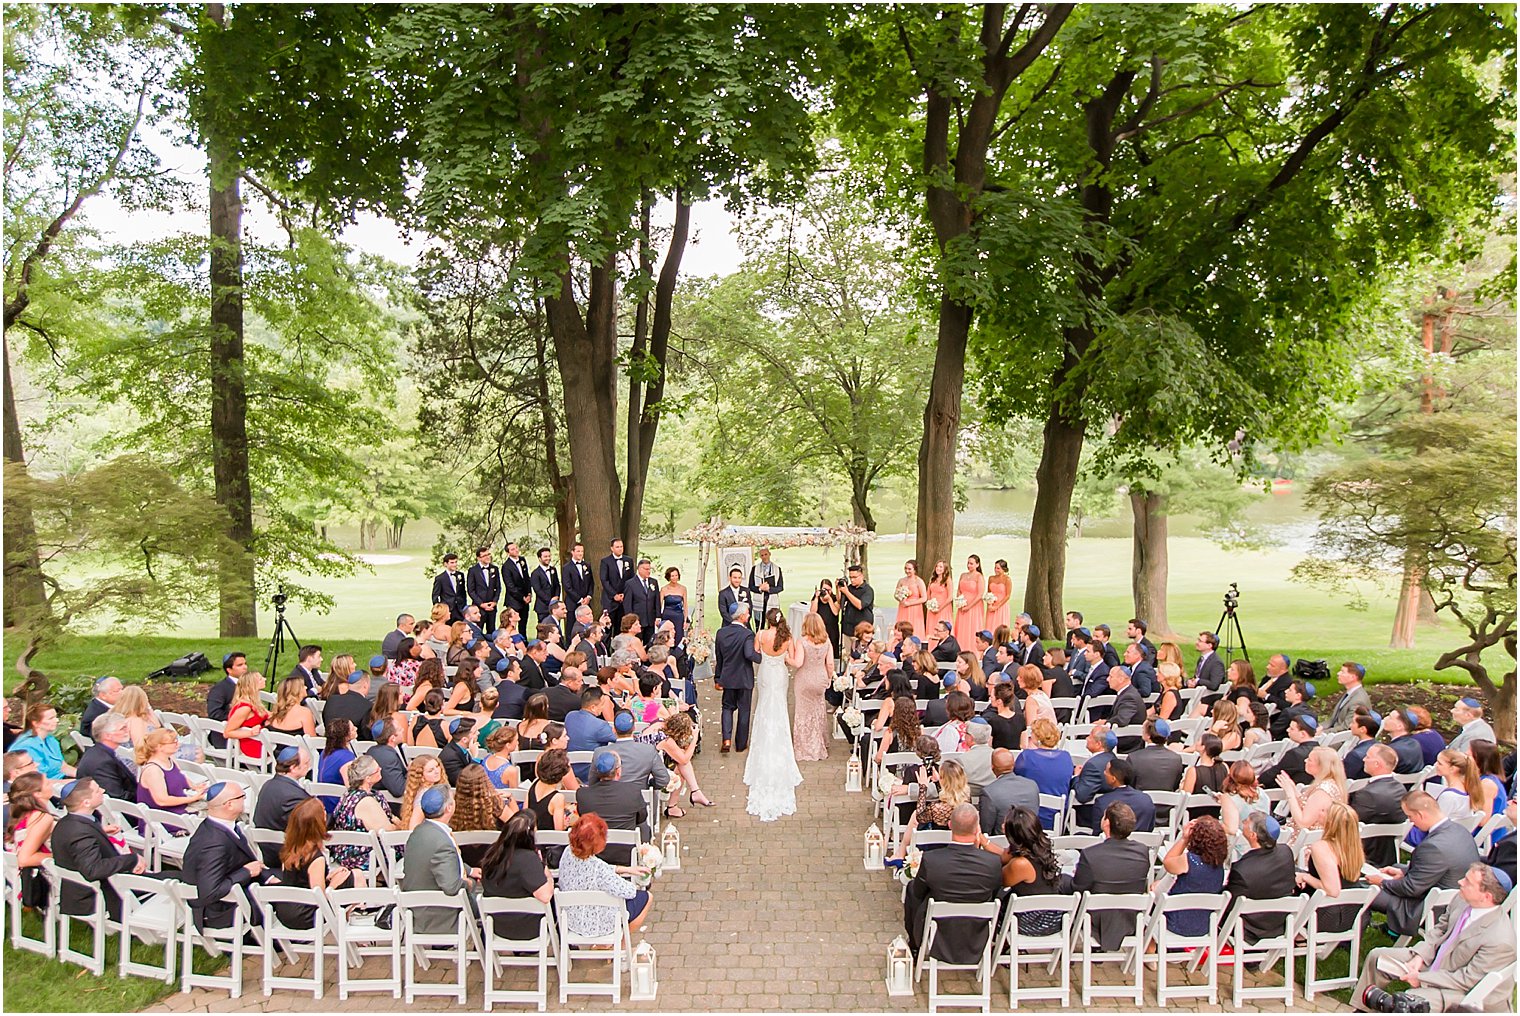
534	644
517	638
1163	728
1287	661
67	789
1309	688
215	790
1377	717
375	729
502	665
1308	721
454	723
1110	739
985	635
431	802
471	644
1274	828
949	679
1086	631
1470	702
289	753
1414	721
1033	629
623	723
376	662
1502	877
1361	671
606	763
227	659
980	719
357	676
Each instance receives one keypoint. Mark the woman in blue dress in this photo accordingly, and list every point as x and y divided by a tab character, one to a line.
673	602
1197	860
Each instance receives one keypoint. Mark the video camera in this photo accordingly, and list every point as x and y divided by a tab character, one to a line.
1232	597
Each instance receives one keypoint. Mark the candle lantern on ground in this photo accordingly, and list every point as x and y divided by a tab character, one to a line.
852	782
875	847
670	843
642	973
899	968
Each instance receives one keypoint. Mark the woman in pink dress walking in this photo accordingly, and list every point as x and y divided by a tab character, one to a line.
971	613
810	713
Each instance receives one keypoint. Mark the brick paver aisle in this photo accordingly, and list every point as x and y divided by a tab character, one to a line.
762	915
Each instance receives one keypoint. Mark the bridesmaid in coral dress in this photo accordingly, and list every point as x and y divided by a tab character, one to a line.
939	591
972	617
1001	587
911	594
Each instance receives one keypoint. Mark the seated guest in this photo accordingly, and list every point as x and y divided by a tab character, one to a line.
1241	678
1334	862
937	709
1006	717
1490	764
1128	708
1240	798
386	751
565	697
82	844
582	868
959	872
1365	726
38	740
1265	872
1197	859
939	794
1467	713
338	753
142	720
1308	804
1007	791
1297	695
219	858
1224	723
1379	802
478	807
1431	741
387	706
361	810
977	760
303	864
1120	777
1474	938
106	692
432	863
1031	681
1117	864
1462	792
161	783
1208	774
1439	862
351	703
280	794
246	716
1169	677
1058	679
1354	697
1400	730
1030	868
512	869
1502	854
1294	762
620	803
27	828
1156	766
1089	781
1050	767
455	756
511	696
100	762
422	773
289	714
640	762
902	728
500	744
1140	671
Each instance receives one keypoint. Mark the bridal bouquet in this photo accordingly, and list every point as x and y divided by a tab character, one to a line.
648	855
987	598
959	601
933	604
901	593
853	718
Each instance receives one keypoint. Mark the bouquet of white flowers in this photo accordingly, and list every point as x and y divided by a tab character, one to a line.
933	604
909	870
901	592
853	718
959	601
987	598
648	855
698	647
842	683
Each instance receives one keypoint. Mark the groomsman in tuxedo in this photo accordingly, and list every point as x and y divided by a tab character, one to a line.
516	587
613	574
641	596
576	578
545	580
483	584
765	582
448	588
734	595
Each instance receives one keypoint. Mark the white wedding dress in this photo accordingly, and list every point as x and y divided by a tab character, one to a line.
771	771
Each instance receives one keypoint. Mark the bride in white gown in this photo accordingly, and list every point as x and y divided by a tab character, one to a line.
771	771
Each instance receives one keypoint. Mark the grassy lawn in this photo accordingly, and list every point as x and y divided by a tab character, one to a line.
35	984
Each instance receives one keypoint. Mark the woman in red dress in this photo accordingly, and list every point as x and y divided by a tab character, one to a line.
246	716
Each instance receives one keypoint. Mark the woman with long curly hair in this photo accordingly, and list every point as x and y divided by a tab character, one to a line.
478	807
1197	859
424	772
679	747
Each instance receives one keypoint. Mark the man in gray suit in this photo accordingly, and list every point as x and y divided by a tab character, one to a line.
1473	938
619	801
387	735
1006	792
641	761
977	760
1350	676
432	862
1439	862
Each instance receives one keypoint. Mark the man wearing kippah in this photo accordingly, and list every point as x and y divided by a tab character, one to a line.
432	863
1294	761
1350	677
280	794
220	857
1468	714
621	804
1264	872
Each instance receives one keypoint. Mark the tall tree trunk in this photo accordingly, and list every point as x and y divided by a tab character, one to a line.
1415	605
229	396
1148	560
561	484
935	532
1055	478
633	492
641	439
25	595
860	508
585	349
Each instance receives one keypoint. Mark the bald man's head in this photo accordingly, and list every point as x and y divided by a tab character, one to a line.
1002	761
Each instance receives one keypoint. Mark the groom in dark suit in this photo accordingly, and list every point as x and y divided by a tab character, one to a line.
734	669
641	597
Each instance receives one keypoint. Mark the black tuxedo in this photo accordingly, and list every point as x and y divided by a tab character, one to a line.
448	587
955	873
1377	803
729	597
100	764
734	659
454	759
92	712
278	797
1263	875
1031	654
546	587
1128	709
516	589
392	768
218	702
1209	672
80	845
533	678
312	681
1411	755
1111	866
641	598
578	583
214	861
483	583
1143	677
509	702
613	572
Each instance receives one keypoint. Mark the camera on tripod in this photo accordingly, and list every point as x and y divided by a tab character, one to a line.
1232	597
280	599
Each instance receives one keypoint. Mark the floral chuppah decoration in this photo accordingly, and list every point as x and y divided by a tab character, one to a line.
717	533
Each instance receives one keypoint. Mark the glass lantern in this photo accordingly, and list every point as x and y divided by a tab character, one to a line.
670	845
852	782
899	968
642	982
875	848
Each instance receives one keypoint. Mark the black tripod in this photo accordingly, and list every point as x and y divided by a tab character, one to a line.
277	642
1228	628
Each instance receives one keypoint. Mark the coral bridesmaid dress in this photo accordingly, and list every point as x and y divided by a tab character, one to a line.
911	607
946	612
971	618
1002	587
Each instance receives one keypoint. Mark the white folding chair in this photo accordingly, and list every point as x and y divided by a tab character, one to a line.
1057	804
1264	951
216	941
390	844
1485	835
362	839
982	913
1133	907
171	835
1194	950
499	952
1477	998
96	920
202	729
1053	950
128	815
1433	906
291	943
456	944
1319	944
150	913
616	946
81	742
352	914
553	838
